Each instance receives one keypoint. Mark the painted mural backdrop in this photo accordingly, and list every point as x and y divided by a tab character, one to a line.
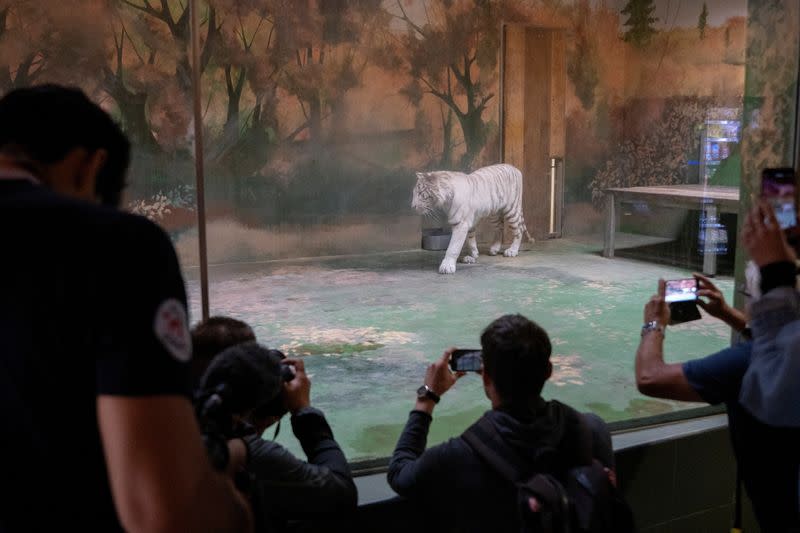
317	113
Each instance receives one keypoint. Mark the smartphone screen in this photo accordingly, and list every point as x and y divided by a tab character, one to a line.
681	290
466	360
778	187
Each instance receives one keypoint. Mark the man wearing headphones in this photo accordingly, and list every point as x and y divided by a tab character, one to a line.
260	392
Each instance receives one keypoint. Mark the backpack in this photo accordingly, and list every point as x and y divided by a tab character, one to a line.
572	499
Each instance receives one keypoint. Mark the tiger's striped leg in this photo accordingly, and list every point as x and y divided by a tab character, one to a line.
514	221
472	243
448	265
497	243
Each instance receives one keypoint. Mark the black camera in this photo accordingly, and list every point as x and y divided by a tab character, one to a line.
287	371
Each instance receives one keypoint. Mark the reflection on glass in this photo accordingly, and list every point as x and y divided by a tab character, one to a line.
132	59
317	117
319	121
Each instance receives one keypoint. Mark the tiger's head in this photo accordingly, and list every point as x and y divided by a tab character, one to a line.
432	191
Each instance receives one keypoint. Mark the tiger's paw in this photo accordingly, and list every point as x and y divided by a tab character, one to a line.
494	249
511	252
468	259
448	266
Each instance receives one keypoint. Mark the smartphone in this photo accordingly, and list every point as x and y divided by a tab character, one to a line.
681	295
779	188
681	290
466	360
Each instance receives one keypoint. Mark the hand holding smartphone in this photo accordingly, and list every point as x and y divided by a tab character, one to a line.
466	360
779	189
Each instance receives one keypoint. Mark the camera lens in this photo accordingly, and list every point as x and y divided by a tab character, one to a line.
287	372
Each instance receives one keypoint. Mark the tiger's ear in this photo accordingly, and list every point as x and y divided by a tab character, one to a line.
420	175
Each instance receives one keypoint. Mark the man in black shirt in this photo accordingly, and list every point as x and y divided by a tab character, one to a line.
94	344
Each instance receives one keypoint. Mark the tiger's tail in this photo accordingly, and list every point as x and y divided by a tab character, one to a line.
524	229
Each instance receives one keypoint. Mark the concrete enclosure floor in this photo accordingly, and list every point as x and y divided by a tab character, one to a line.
368	325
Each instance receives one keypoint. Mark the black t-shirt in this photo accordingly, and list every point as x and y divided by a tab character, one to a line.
92	303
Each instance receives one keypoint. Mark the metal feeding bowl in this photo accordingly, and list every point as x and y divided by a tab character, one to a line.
435	238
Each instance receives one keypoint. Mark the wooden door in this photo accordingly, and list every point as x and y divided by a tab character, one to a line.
534	136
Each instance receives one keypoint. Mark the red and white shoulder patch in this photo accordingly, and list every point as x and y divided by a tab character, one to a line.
171	327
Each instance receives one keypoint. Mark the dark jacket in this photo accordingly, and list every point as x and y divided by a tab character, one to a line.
289	488
455	488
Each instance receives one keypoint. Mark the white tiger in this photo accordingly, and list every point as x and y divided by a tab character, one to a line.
494	191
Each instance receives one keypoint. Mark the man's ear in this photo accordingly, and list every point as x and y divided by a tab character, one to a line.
95	161
549	371
78	171
489	390
75	174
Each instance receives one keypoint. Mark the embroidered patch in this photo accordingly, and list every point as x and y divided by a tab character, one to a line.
171	328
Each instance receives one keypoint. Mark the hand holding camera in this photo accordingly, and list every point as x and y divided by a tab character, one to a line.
297	391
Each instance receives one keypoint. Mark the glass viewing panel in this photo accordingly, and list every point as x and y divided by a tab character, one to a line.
135	66
629	136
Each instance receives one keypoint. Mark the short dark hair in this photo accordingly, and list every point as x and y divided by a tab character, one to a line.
212	336
252	377
44	123
516	355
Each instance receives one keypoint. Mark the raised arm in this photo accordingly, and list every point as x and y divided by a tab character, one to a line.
292	487
160	475
654	377
411	465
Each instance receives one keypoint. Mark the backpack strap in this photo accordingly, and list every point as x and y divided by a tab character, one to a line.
581	436
484	439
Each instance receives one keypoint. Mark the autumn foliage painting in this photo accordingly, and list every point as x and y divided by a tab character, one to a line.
317	113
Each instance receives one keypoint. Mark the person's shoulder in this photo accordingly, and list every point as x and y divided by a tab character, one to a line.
456	451
132	224
131	235
261	449
453	456
563	410
270	460
56	208
92	219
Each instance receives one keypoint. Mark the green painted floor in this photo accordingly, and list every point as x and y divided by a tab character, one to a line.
368	325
